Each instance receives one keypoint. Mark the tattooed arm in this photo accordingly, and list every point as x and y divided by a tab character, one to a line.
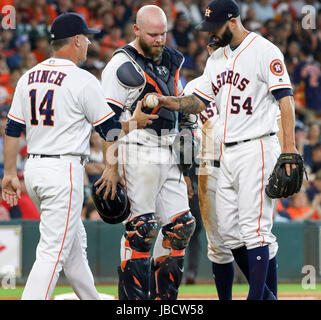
186	104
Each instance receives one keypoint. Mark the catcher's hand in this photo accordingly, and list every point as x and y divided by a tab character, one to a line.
282	185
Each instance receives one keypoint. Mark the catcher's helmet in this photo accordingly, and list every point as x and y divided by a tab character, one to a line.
112	211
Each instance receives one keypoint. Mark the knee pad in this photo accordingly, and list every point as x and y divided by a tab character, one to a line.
178	233
167	277
141	231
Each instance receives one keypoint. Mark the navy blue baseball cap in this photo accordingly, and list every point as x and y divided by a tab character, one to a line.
217	13
69	24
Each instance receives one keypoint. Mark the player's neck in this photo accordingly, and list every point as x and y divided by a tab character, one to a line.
239	37
64	54
138	48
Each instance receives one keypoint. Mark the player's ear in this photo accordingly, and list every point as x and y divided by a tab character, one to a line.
136	29
233	22
76	40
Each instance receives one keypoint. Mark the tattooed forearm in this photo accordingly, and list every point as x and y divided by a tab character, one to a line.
188	104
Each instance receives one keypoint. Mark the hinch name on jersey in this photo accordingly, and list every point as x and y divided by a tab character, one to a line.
229	77
46	76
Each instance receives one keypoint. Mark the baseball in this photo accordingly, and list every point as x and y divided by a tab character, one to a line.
152	101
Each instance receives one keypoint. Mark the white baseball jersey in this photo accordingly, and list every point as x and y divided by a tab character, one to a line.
59	103
239	81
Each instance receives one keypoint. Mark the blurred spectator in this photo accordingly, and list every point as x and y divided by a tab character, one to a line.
79	6
23	49
315	185
129	34
113	40
245	5
107	20
63	6
41	51
122	14
282	7
251	22
292	56
313	139
28	62
316	158
95	166
300	208
192	49
170	10
308	71
300	136
191	11
263	10
183	32
43	12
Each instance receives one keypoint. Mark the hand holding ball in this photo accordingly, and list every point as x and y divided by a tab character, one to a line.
152	101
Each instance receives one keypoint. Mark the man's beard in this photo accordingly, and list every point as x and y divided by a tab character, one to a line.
151	52
225	39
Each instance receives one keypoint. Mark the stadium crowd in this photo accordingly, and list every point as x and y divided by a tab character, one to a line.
283	22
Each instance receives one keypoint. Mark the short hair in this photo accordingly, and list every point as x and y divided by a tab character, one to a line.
59	43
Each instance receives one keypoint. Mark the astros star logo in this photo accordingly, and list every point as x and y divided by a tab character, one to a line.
208	12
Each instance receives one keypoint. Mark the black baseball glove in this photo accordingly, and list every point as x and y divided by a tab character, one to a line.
281	185
186	146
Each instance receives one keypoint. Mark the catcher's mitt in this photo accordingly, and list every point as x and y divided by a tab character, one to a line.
186	146
281	185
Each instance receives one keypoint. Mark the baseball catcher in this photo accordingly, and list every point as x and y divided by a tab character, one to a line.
282	185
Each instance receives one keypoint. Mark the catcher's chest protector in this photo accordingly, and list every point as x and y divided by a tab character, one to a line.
162	77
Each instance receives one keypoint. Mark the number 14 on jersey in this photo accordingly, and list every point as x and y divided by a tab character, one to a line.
45	108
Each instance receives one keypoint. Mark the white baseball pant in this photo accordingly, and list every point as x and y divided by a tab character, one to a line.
56	188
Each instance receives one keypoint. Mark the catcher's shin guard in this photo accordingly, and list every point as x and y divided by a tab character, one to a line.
168	270
134	280
135	270
168	275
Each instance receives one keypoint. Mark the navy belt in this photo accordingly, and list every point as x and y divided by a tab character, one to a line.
231	144
83	159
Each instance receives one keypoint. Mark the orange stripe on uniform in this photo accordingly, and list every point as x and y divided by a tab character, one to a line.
261	206
103	117
176	78
229	93
280	85
15	117
204	94
66	228
115	101
62	65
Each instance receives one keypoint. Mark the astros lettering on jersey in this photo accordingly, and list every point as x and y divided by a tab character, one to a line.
238	81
